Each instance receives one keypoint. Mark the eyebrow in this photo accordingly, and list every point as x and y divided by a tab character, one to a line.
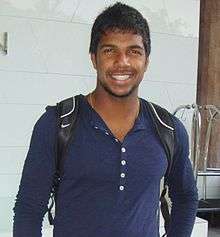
107	45
135	46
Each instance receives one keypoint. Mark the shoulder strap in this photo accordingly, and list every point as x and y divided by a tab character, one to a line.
164	127
66	111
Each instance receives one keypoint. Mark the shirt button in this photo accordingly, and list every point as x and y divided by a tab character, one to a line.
121	188
123	149
122	175
106	133
123	162
96	127
116	139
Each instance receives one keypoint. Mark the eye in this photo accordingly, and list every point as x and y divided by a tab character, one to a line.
136	52
108	50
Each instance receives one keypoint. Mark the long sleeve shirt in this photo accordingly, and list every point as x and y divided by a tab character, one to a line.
108	188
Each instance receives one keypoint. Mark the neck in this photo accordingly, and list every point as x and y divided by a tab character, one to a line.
114	108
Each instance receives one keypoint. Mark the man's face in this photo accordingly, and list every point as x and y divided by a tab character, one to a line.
120	63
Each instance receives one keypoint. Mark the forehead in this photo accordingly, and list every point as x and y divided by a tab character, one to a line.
121	39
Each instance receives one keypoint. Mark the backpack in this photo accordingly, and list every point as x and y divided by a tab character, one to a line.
67	111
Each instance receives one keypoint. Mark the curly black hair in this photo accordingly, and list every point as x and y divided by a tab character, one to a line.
123	18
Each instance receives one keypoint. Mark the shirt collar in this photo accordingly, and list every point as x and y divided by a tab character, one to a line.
97	122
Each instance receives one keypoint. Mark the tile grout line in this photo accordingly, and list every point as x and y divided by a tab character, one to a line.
47	73
1	103
13	146
43	19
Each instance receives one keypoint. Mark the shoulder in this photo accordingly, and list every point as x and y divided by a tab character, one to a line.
44	132
178	125
47	116
158	108
51	111
158	113
47	121
180	131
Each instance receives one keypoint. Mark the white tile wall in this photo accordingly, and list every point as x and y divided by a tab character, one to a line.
173	59
51	87
183	17
43	9
48	60
23	50
177	93
46	46
13	160
65	46
6	215
155	12
17	123
88	10
155	92
164	16
9	184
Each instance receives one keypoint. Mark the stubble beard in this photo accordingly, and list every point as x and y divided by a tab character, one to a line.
112	93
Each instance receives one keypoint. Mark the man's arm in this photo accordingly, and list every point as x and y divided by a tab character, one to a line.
37	177
182	187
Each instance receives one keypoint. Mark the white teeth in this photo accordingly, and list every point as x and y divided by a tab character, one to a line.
121	77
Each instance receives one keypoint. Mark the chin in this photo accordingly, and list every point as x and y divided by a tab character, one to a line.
119	94
116	92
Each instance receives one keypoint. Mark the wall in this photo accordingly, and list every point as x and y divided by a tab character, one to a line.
48	60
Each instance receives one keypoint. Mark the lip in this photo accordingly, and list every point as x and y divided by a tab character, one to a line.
121	73
120	82
121	76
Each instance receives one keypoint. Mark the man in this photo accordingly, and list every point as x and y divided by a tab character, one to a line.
112	172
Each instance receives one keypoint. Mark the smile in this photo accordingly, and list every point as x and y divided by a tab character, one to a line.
120	77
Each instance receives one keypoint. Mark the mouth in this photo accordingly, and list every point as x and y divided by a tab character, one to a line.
121	77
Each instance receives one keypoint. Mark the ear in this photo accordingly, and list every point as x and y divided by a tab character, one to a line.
93	59
146	64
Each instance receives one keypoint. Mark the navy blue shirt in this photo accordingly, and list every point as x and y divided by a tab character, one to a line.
109	188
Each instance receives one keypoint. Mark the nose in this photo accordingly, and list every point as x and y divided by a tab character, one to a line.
122	59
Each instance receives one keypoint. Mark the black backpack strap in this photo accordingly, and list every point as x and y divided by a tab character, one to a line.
164	127
66	112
